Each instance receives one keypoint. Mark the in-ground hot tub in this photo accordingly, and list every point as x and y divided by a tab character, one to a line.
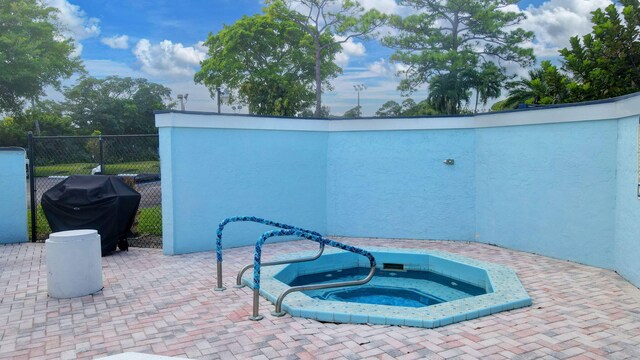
411	287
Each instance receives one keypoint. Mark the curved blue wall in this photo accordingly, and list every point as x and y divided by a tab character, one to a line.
627	240
561	182
394	184
549	189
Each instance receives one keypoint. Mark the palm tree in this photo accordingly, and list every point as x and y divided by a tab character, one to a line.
447	92
545	85
488	83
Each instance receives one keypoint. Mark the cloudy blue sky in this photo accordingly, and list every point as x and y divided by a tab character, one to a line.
162	40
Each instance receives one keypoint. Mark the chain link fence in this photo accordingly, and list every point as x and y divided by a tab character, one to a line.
134	157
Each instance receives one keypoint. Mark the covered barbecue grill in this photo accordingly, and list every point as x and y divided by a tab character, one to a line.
103	203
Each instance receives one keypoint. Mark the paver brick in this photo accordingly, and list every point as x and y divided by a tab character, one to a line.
166	305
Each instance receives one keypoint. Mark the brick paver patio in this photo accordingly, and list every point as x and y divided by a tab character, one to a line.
166	305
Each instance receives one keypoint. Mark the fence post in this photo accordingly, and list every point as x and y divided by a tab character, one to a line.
100	141
32	186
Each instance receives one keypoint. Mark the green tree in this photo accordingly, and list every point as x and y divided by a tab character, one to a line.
488	84
116	105
408	108
389	109
33	52
13	131
309	113
448	42
606	63
448	91
266	61
354	112
45	118
322	19
545	85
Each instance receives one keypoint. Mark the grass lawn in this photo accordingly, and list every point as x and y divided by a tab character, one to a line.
150	221
137	167
43	230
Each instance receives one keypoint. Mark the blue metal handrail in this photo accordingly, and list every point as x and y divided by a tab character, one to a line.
260	221
313	237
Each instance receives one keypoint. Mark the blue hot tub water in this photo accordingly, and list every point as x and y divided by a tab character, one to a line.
409	288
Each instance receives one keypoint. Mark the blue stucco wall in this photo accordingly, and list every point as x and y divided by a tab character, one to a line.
561	186
549	189
13	192
627	240
211	174
394	184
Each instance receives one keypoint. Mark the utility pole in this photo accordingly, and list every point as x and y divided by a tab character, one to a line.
358	88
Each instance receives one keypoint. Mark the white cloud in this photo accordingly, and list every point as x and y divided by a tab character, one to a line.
350	49
168	58
116	42
555	21
384	6
384	68
75	22
104	68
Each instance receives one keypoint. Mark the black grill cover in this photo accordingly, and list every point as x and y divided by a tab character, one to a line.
103	203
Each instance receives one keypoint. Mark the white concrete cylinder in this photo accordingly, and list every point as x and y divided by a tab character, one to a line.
74	263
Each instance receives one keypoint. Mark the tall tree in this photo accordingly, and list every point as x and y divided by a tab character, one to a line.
116	105
449	41
488	84
266	61
33	52
331	23
606	63
448	91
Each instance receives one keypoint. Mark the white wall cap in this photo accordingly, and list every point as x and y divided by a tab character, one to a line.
608	109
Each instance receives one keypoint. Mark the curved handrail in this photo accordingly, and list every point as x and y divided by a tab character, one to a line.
243	219
319	239
278	311
311	258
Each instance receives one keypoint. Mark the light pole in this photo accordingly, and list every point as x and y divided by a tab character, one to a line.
183	100
358	88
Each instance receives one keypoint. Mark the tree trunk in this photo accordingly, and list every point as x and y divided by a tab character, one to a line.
318	80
